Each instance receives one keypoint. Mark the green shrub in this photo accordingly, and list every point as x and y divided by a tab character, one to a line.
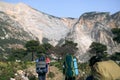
32	77
8	69
84	67
57	64
51	75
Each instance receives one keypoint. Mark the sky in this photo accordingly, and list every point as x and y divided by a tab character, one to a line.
71	8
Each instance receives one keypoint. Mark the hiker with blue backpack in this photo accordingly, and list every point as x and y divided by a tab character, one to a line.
70	67
41	68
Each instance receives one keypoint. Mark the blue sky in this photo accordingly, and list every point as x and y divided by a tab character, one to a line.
71	8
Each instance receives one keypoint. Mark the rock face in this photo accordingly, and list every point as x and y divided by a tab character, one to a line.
94	26
38	23
11	34
91	26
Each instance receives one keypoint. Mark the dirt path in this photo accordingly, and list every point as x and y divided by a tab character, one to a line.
57	72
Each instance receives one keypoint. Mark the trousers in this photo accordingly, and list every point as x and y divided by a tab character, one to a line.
41	76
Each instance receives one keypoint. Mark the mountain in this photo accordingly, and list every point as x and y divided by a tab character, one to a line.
38	23
95	27
11	34
33	24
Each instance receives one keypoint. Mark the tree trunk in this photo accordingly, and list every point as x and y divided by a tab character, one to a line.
32	56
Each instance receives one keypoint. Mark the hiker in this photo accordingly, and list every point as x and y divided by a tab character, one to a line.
41	68
103	70
70	68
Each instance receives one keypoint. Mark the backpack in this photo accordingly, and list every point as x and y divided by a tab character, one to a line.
106	70
41	66
75	66
70	69
48	60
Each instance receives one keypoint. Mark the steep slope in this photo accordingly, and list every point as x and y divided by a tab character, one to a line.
69	22
116	19
38	23
11	34
91	26
94	26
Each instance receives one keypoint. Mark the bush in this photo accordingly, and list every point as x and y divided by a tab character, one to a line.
84	69
32	77
51	75
57	64
116	56
8	69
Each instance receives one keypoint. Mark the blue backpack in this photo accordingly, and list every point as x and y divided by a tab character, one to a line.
75	66
41	66
71	67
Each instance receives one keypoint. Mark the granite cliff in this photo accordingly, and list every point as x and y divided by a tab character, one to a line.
22	22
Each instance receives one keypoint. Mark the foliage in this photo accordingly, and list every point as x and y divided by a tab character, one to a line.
31	76
44	48
84	70
98	49
116	37
40	49
47	46
17	54
8	69
10	41
69	47
116	56
57	64
32	46
51	75
116	32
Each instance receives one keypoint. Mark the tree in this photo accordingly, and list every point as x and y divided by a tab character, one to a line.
32	46
116	32
47	47
40	49
17	54
116	56
44	48
69	47
98	49
116	37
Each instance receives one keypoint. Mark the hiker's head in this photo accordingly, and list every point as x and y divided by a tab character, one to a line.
94	59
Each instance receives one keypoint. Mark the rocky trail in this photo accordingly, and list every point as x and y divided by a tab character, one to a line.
53	74
57	72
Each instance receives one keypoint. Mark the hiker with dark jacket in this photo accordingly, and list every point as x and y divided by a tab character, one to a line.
41	68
